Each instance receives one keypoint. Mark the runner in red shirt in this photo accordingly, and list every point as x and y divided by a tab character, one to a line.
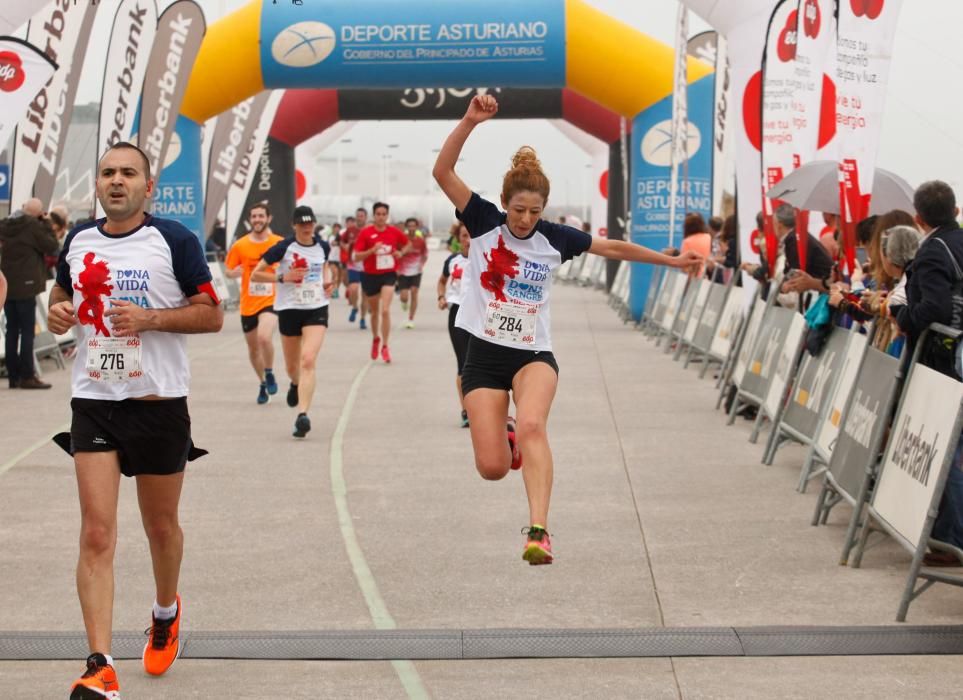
379	247
410	268
353	225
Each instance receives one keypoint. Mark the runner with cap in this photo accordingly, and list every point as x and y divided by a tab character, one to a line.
258	319
305	280
379	247
410	268
505	308
449	297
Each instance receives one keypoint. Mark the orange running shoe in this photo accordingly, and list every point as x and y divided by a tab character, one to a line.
513	443
538	548
375	346
385	355
163	643
98	682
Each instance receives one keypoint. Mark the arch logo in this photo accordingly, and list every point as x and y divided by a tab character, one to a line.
303	44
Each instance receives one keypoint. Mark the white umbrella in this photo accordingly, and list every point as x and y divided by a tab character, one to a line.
815	187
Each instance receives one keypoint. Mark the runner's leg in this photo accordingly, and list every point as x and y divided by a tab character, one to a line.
534	389
98	483
312	339
387	294
373	304
267	323
253	340
291	346
487	415
159	496
414	303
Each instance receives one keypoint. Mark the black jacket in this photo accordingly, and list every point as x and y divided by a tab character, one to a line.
930	279
818	262
25	240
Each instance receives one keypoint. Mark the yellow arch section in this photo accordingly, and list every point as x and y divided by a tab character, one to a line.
607	61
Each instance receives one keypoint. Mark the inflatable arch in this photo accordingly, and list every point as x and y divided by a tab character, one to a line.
421	44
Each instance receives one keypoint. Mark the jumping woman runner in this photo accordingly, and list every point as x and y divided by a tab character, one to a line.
505	309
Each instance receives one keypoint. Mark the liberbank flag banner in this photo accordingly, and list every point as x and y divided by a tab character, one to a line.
131	39
180	31
249	165
62	31
24	70
232	135
414	44
864	50
652	173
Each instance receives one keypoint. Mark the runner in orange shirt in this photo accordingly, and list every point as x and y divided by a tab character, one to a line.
258	319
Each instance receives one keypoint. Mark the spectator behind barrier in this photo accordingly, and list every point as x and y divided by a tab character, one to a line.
696	236
819	266
931	281
829	235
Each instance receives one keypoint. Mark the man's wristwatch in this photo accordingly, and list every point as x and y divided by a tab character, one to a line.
280	277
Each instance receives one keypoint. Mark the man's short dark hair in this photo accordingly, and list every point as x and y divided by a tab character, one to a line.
350	220
361	209
411	220
715	223
935	203
260	205
865	228
786	215
128	144
380	205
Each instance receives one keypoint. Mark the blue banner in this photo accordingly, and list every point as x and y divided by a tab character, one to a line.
180	195
387	43
650	194
4	182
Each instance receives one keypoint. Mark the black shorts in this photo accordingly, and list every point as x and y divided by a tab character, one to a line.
459	338
491	366
371	284
409	281
151	437
249	323
291	321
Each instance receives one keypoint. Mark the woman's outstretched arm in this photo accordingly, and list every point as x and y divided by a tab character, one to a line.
482	108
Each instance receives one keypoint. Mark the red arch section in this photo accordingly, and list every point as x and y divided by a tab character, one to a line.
305	113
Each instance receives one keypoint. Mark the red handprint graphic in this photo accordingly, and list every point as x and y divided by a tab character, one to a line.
92	284
501	263
299	263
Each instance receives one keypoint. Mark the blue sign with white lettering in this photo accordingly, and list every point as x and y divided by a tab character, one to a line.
180	195
652	177
387	43
4	182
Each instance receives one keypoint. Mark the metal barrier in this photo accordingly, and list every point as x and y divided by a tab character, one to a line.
915	469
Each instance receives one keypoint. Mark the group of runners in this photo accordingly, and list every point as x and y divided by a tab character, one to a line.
130	377
288	283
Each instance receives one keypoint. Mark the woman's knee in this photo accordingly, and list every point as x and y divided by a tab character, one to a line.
308	363
491	467
528	429
162	530
97	539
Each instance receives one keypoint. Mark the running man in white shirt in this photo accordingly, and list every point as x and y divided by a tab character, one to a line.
135	286
505	308
449	297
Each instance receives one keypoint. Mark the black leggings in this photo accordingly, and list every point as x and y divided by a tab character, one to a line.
21	316
459	338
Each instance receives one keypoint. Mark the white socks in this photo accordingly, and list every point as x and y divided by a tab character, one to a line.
162	613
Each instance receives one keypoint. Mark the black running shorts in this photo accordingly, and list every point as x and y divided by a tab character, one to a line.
151	437
409	281
249	323
371	284
459	338
491	366
291	321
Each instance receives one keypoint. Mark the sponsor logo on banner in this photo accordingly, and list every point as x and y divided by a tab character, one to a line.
178	194
131	39
180	31
61	31
395	44
303	44
24	70
232	136
656	146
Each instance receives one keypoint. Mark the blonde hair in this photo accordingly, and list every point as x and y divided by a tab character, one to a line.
526	175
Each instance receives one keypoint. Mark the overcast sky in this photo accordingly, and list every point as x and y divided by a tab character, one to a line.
921	136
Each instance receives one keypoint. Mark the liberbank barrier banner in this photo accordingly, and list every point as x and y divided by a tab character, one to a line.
24	70
180	31
864	50
651	177
232	135
413	44
62	31
248	167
